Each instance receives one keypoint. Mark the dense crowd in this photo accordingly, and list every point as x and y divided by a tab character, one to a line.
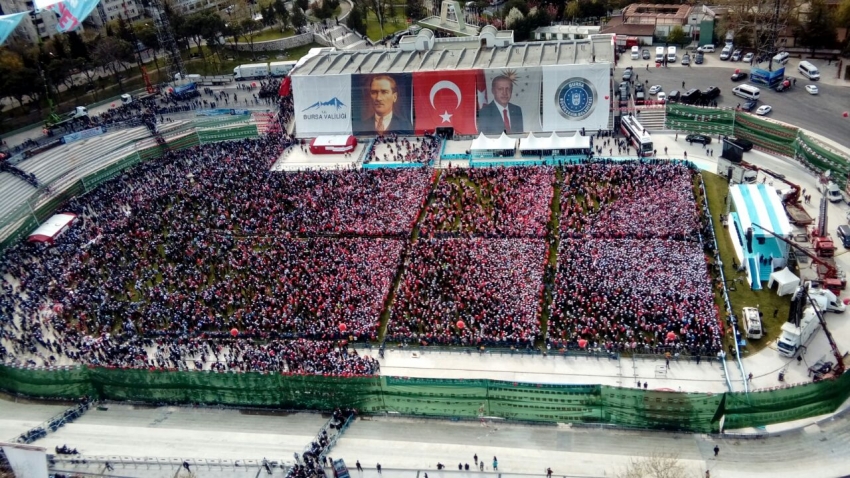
397	149
504	202
205	259
470	292
165	262
631	271
634	294
629	200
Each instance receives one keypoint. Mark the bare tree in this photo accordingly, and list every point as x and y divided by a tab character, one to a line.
658	465
756	23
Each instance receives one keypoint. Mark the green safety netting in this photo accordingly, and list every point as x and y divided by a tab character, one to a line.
822	158
785	404
698	119
765	134
628	407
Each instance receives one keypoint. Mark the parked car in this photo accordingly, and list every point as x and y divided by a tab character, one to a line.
738	76
843	233
645	54
691	97
812	89
627	75
686	59
706	49
749	105
662	97
639	88
748	57
746	145
698	58
736	55
763	110
711	93
698	138
654	89
674	96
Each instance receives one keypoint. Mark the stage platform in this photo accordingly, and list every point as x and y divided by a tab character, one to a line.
298	158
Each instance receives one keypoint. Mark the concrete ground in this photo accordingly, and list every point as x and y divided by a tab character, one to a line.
137	445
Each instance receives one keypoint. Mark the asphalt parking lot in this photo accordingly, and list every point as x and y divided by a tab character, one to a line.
820	113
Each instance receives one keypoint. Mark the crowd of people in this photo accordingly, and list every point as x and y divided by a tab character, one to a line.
484	202
649	199
159	270
206	259
392	148
645	295
470	292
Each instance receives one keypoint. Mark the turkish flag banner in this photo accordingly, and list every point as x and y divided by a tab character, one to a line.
445	99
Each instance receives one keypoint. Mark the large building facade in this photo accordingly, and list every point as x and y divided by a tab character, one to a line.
472	85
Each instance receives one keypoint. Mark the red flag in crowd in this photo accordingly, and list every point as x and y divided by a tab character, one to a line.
285	87
445	99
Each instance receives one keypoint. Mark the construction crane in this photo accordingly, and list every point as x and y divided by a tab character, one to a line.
822	242
791	201
828	274
827	371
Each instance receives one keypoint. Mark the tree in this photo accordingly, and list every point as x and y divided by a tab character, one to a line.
415	9
304	5
112	54
76	47
355	21
514	16
818	31
250	29
23	82
282	13
299	19
572	10
657	465
677	35
756	18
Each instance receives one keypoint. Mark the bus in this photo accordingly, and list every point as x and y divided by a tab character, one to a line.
637	135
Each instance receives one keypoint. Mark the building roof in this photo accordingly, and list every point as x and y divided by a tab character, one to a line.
634	12
596	49
759	204
570	29
629	29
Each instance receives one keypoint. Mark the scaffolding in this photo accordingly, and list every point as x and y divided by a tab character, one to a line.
165	36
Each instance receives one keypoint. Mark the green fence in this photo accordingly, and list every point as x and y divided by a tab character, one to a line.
629	407
773	137
207	136
697	119
822	158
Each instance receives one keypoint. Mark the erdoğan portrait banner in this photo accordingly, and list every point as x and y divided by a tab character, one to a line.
445	99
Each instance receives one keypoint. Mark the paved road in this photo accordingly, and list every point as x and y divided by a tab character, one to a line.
820	113
405	445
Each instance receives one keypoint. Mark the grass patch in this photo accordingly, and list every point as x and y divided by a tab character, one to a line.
717	188
391	25
273	34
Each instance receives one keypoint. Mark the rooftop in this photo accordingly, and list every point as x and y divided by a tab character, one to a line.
596	49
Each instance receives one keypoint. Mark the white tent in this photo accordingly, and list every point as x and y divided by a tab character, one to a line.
502	143
554	142
786	281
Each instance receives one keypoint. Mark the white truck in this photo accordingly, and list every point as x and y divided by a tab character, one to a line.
794	337
752	323
827	301
659	54
281	68
251	71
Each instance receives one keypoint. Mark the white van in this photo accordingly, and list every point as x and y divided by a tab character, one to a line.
748	92
671	54
808	70
635	53
726	52
781	57
659	54
752	323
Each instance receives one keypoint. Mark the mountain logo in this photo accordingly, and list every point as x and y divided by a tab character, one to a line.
335	102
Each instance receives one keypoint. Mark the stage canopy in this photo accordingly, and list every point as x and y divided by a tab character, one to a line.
339	144
554	142
502	143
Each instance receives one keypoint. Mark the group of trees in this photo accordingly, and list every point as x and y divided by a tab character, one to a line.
814	23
